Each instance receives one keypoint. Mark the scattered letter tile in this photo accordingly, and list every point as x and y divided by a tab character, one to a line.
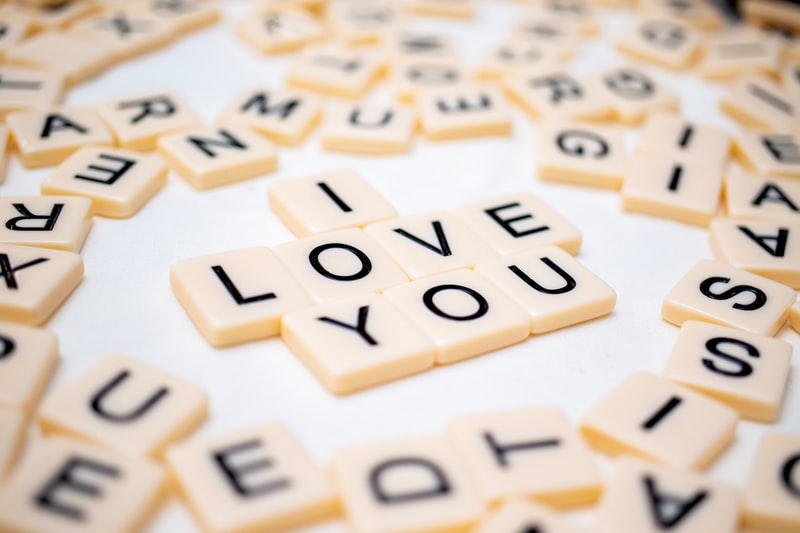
558	95
413	75
22	89
58	222
772	494
463	111
748	196
664	42
368	129
770	154
633	95
666	133
335	70
741	53
279	31
757	103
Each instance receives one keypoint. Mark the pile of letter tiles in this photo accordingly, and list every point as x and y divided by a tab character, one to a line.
366	296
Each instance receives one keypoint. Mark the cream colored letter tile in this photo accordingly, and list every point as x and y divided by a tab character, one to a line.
634	95
58	222
430	243
118	182
516	56
552	286
358	23
518	515
124	31
13	429
22	88
339	264
28	358
561	37
577	13
746	371
71	487
748	196
557	95
236	296
327	201
139	121
125	405
739	53
647	498
758	103
772	494
722	294
519	221
184	15
285	116
335	70
464	111
35	282
49	15
673	186
403	45
73	58
700	15
661	41
767	248
531	453
462	312
255	479
357	343
368	129
211	157
47	137
405	486
279	31
412	75
770	154
582	154
655	418
666	133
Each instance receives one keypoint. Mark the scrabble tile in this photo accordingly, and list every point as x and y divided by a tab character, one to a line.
527	453
430	243
457	9
335	70
28	358
137	122
254	479
739	53
411	76
67	486
563	38
211	157
183	15
771	495
519	221
767	248
413	485
327	201
790	77
22	88
582	154
771	154
701	15
758	103
51	15
284	116
743	370
73	58
339	264
236	296
118	182
58	222
462	312
357	343
647	498
408	45
13	429
12	31
755	197
36	282
552	286
557	95
357	23
279	31
522	515
663	42
125	405
47	137
516	56
655	418
368	129
634	95
666	133
577	13
463	112
711	291
674	187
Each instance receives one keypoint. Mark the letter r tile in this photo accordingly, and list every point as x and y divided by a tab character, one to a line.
57	222
126	406
411	486
254	479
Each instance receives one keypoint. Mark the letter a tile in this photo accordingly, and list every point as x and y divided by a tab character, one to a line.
748	196
530	453
411	486
71	487
655	418
722	294
772	493
749	372
28	358
357	343
647	498
255	479
236	296
58	222
35	282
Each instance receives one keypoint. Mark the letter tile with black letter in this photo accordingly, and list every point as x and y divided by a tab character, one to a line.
758	103
336	70
410	75
749	196
557	95
28	358
27	88
772	493
741	52
464	111
670	134
769	154
661	41
278	31
57	222
368	129
634	94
